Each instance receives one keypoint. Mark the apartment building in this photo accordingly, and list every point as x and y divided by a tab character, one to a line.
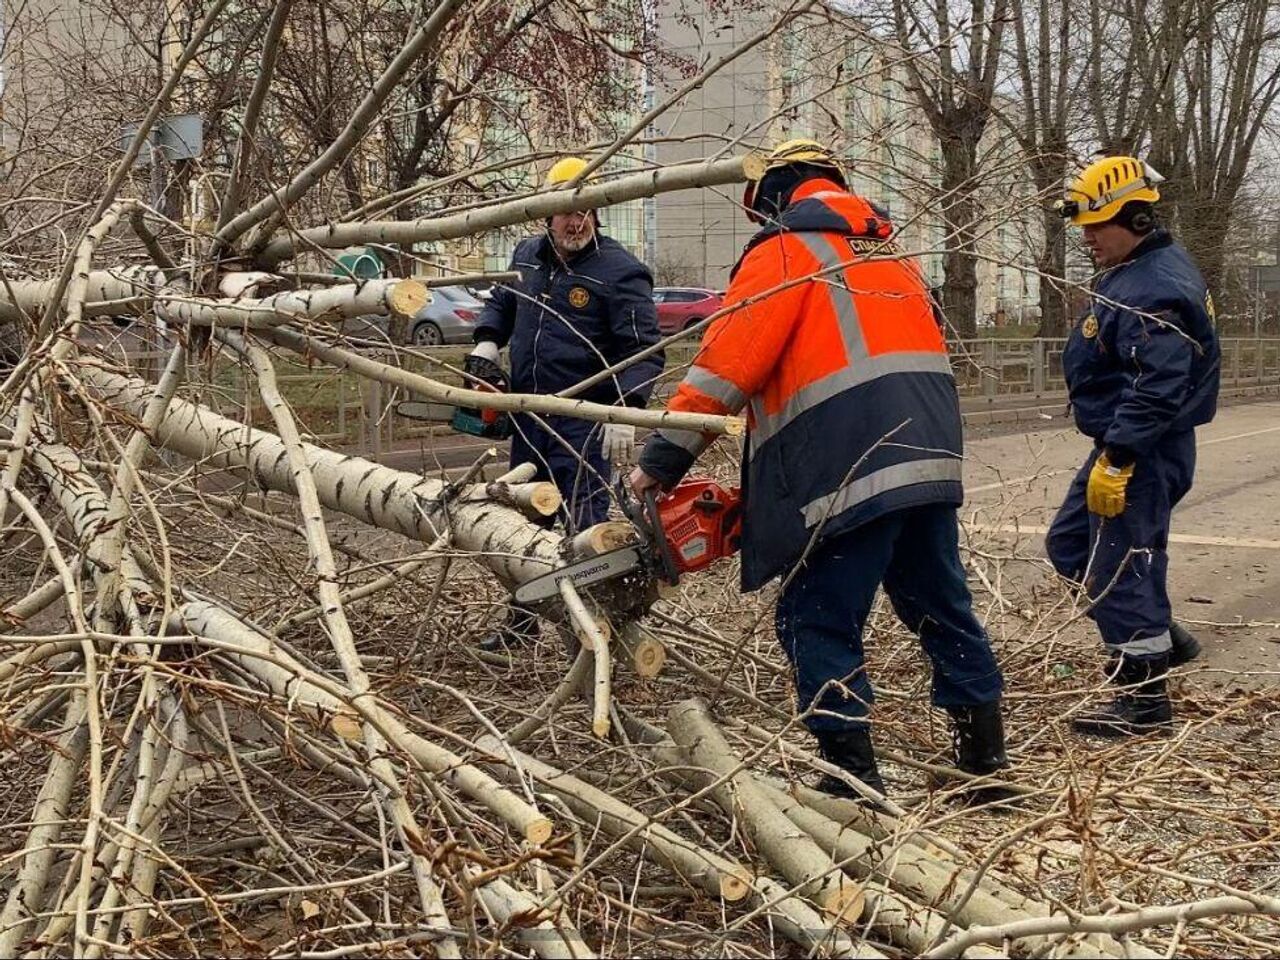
834	80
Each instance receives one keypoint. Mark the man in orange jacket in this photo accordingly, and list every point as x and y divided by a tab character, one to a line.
852	470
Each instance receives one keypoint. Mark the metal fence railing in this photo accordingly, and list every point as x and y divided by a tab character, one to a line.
993	368
340	408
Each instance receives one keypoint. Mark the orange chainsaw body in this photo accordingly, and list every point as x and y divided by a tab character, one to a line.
702	522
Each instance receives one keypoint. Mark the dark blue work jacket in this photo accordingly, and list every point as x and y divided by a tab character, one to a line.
1144	361
567	321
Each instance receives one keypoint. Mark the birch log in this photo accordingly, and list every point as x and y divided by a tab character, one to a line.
108	293
546	935
648	654
709	173
923	864
515	549
716	874
792	852
379	297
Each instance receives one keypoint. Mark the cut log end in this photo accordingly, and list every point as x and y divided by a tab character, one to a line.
601	538
600	727
734	887
735	426
538	831
545	499
844	904
648	658
347	727
408	297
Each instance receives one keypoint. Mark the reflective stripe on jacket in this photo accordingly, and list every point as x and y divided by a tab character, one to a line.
834	349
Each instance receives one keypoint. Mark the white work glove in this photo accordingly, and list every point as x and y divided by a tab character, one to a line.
619	443
486	350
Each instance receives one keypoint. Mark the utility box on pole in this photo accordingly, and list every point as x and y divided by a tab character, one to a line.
180	137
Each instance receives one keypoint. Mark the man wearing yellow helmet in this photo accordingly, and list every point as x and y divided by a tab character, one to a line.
583	303
1142	369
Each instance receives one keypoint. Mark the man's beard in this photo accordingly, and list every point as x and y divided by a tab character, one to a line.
573	243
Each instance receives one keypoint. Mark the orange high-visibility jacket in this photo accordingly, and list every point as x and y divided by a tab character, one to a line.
835	350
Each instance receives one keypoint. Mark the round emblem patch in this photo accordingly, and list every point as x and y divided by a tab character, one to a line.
578	297
1089	327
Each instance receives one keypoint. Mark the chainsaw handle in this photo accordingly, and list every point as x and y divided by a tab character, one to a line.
669	571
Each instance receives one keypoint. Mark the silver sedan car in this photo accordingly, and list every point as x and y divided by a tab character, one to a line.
450	317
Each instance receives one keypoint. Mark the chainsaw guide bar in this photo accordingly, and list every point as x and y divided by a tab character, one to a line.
606	566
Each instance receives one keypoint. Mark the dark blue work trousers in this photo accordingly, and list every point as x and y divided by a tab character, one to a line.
567	452
821	614
1123	561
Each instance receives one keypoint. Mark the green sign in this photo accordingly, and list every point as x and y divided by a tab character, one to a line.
364	265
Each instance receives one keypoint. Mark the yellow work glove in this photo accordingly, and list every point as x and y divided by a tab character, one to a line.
1105	493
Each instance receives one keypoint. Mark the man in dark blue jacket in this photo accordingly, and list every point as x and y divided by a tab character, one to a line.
1142	368
583	303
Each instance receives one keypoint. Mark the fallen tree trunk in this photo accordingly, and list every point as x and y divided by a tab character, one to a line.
716	874
928	864
927	888
634	186
378	297
515	549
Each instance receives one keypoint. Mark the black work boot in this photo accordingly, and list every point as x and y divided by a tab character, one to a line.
1185	645
851	750
1141	707
978	734
519	630
979	738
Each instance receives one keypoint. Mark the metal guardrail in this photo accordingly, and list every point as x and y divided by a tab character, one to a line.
993	368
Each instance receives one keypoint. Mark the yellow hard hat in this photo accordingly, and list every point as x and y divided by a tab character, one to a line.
1106	185
799	150
564	170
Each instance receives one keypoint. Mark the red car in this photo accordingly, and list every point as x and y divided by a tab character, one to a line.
680	306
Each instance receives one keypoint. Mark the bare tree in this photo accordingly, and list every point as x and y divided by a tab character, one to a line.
1050	82
953	78
1191	85
1204	136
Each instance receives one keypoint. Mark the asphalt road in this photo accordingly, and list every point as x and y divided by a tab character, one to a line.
1225	549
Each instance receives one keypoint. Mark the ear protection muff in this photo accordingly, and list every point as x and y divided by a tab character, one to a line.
1138	216
1142	222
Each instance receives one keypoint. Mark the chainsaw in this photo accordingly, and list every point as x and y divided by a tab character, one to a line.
490	424
688	530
